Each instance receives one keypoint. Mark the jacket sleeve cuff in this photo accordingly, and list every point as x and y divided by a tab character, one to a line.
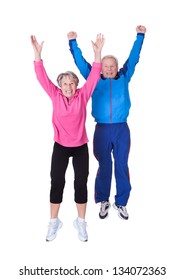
38	63
141	34
97	64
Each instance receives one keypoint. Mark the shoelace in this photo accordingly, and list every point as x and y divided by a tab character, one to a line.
123	209
82	226
103	206
52	227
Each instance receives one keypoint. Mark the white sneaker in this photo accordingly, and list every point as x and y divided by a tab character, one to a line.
81	228
122	211
52	229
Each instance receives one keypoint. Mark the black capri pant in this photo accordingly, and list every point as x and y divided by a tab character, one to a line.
59	163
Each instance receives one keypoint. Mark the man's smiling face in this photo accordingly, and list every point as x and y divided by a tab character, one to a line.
109	68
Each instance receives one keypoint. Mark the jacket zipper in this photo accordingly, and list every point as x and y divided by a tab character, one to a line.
110	100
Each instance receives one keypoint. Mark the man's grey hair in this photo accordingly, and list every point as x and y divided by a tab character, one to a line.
110	56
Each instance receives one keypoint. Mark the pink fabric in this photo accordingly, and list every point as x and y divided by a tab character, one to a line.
69	116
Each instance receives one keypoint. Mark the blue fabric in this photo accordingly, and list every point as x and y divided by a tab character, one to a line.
112	139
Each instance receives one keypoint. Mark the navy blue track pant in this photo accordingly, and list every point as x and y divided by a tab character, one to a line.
112	139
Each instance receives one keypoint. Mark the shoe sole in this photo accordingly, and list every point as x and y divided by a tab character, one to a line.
55	235
119	215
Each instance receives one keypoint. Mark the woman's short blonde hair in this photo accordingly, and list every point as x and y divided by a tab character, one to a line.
69	74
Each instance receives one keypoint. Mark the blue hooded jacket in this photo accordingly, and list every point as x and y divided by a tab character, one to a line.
110	99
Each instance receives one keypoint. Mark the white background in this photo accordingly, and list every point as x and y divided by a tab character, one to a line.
153	236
